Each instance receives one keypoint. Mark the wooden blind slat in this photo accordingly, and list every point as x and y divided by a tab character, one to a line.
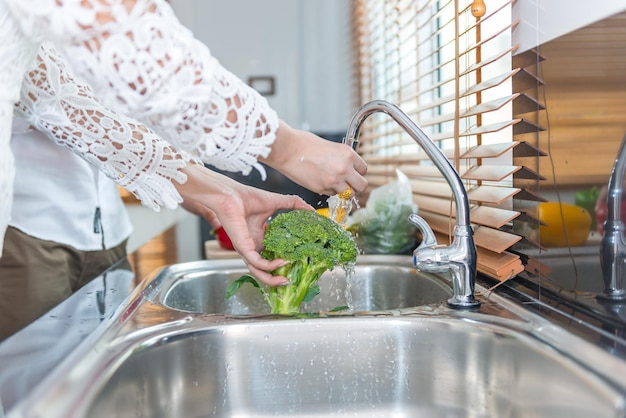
489	60
500	173
482	215
489	106
484	237
490	150
422	170
494	127
523	103
492	217
493	239
501	266
492	82
490	172
444	207
492	194
431	188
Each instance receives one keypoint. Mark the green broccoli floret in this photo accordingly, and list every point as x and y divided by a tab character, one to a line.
311	244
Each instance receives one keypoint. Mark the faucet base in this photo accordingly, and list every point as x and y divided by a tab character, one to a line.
617	296
463	303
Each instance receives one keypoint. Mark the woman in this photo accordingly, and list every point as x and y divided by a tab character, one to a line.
141	61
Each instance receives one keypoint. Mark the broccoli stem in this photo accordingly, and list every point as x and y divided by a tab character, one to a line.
286	300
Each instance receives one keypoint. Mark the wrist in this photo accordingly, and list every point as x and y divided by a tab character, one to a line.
283	148
204	186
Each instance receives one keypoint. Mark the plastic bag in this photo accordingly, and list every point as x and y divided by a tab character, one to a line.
382	226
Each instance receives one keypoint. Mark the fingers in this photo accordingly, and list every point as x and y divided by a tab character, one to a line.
350	173
358	183
267	278
359	164
356	179
260	268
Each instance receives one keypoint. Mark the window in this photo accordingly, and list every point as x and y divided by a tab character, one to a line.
454	74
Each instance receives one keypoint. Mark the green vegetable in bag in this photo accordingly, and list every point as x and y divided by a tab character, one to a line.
382	226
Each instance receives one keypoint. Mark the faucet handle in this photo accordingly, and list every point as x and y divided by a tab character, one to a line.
428	236
428	256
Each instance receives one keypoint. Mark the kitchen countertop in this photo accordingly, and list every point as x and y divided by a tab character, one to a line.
30	354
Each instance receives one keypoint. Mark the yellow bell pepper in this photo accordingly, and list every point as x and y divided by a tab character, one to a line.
565	224
326	212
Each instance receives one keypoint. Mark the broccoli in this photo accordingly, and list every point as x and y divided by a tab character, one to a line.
311	244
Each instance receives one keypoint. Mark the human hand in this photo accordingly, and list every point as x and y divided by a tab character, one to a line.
322	166
242	211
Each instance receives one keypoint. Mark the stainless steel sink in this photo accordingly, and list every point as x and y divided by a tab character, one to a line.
377	283
502	360
405	366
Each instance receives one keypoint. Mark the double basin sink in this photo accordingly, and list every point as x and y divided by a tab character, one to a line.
178	348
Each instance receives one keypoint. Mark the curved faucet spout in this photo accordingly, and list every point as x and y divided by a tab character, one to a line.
419	136
613	245
460	257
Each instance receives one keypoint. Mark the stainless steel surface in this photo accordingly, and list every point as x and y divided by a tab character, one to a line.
341	366
579	274
375	284
460	257
350	367
575	280
613	246
575	269
32	353
501	360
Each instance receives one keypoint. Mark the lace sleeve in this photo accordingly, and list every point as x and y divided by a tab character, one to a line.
141	60
153	68
126	151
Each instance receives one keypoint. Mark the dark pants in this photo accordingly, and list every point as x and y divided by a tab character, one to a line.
37	275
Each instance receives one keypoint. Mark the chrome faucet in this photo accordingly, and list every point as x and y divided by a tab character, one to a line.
613	246
460	257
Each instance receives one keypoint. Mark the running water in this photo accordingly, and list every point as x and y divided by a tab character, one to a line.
339	208
349	271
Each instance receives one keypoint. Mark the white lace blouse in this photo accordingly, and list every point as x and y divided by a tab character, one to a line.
141	61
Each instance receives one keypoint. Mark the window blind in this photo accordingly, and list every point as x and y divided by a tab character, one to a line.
453	74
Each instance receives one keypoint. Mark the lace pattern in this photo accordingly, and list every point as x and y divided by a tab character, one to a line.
125	150
71	21
231	145
143	62
150	66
